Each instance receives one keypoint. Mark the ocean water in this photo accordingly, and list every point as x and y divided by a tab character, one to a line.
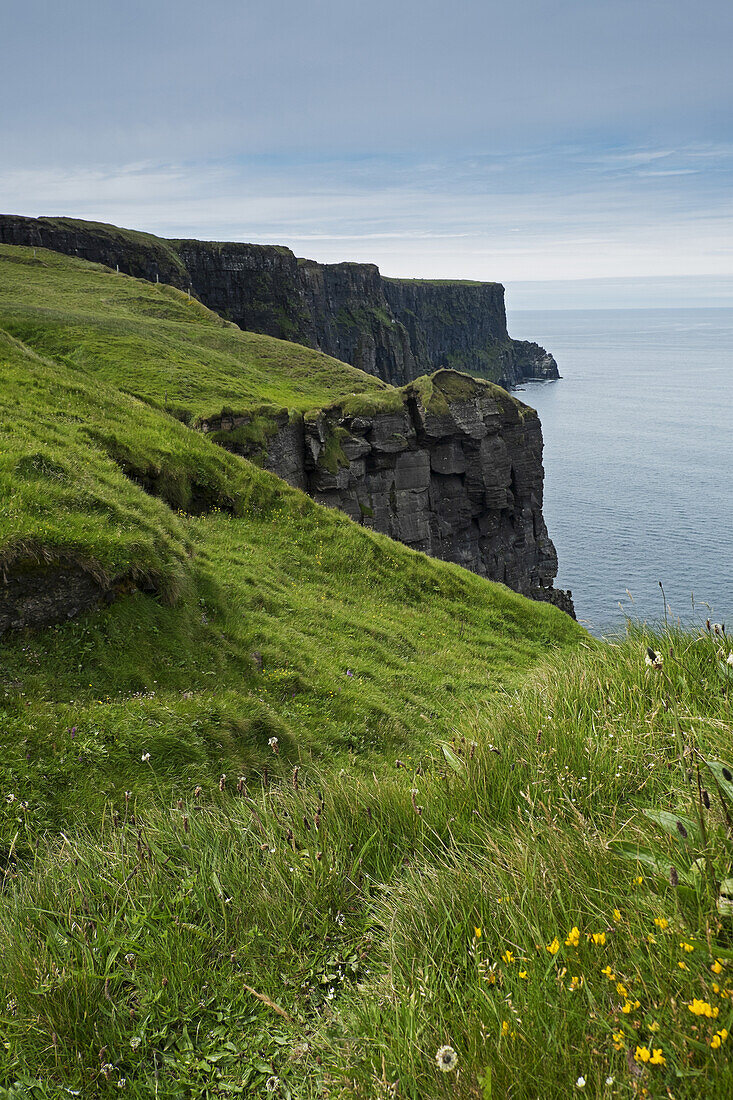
638	485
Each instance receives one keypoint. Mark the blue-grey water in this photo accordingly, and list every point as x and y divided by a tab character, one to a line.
638	485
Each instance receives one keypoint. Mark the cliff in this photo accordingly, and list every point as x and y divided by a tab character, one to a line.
395	329
451	467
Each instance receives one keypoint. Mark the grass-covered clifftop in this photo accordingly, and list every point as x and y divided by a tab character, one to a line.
153	341
301	808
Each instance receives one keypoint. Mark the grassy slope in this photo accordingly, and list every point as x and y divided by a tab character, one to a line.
152	341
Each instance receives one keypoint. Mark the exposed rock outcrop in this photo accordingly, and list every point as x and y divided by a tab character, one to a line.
42	594
454	470
396	329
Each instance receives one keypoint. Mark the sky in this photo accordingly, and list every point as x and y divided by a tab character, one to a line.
569	148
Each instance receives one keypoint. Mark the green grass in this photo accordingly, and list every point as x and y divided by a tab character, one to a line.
334	928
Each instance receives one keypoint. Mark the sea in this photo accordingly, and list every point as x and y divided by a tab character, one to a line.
638	485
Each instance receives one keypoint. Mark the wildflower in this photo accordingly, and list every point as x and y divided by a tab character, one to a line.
651	939
135	1042
554	947
642	1054
599	938
508	957
661	923
505	1027
718	1038
657	1058
638	880
629	1006
130	959
145	757
10	798
523	974
702	1008
580	1083
573	937
687	946
717	967
447	1059
683	966
608	973
617	918
575	982
122	1083
273	743
477	933
621	990
729	658
652	659
654	1027
716	987
619	1040
610	1080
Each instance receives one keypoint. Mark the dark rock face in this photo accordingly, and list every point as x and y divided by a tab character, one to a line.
458	477
46	594
396	329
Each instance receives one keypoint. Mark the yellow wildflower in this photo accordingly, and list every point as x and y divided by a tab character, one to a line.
629	1006
717	967
661	923
505	1027
573	937
617	915
523	974
654	1026
716	987
715	1041
638	880
657	1058
643	1054
621	990
619	1044
575	982
687	946
651	939
683	966
554	947
599	938
609	973
508	956
703	1008
478	933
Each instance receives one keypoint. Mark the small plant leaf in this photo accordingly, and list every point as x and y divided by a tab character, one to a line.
649	859
671	824
723	775
452	760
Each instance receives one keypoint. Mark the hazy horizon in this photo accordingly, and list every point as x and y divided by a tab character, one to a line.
528	144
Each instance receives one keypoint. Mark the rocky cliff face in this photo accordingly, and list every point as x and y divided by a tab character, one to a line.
453	470
393	328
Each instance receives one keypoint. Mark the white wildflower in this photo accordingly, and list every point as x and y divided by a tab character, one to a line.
145	757
580	1082
652	659
447	1059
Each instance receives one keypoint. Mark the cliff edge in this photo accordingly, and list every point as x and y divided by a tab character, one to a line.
395	329
452	466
